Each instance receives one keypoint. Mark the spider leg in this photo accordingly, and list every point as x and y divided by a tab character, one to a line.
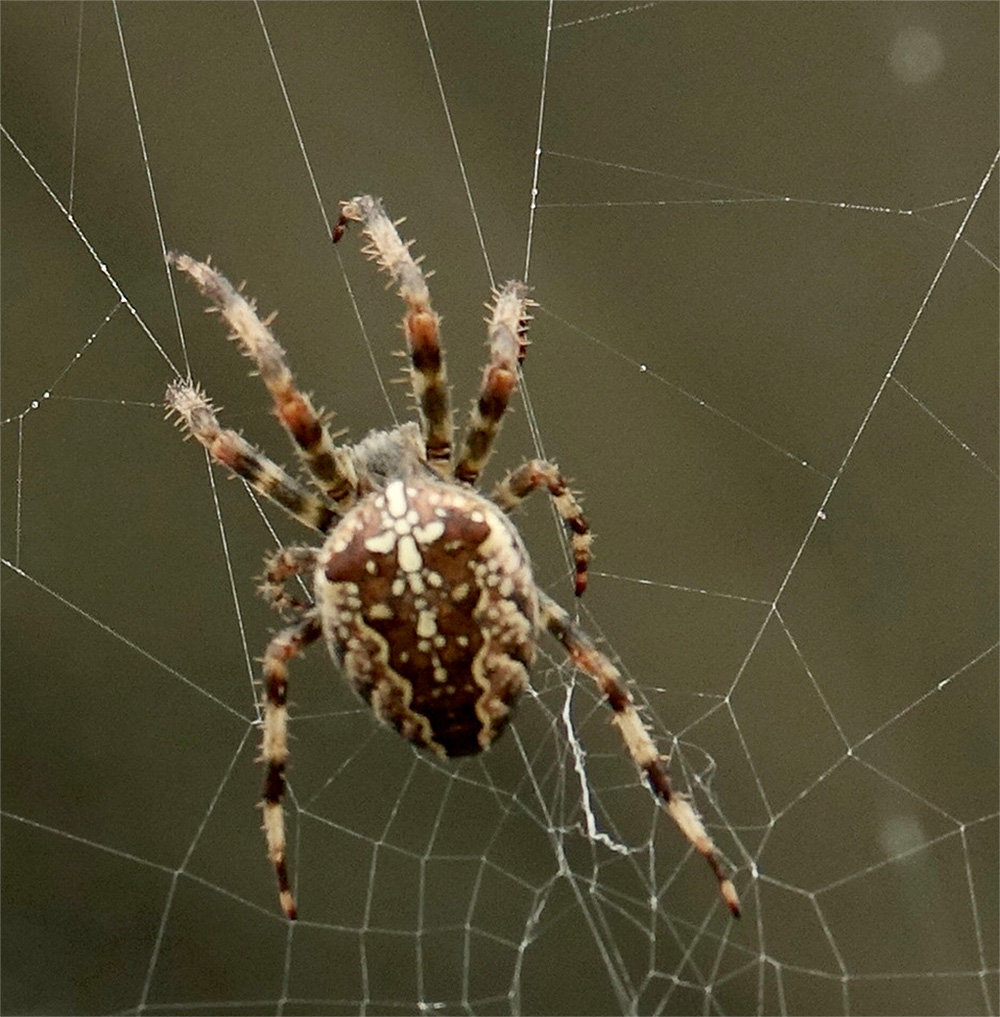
507	327
535	473
279	567
196	415
420	323
285	645
641	748
330	466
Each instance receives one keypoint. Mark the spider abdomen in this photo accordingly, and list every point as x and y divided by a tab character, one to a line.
429	606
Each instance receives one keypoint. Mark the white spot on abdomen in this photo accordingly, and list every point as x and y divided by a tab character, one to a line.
395	499
409	556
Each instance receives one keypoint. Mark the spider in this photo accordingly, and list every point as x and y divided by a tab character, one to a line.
422	587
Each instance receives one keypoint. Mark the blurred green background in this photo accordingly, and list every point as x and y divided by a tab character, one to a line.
744	214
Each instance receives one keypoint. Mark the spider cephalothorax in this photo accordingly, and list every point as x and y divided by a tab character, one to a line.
422	587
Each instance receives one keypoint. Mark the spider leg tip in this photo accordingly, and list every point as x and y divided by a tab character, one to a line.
288	905
730	897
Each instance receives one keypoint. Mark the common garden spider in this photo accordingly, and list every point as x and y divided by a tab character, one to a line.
422	587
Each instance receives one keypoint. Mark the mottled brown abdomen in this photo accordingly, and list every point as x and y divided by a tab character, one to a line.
430	609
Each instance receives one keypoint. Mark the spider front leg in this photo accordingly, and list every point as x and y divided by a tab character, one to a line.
508	326
536	473
420	324
196	416
640	745
331	467
285	645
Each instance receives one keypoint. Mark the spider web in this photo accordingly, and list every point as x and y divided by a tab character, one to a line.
763	242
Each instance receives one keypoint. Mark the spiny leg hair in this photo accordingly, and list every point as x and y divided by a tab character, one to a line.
420	323
508	325
196	415
536	473
331	467
279	567
640	745
285	645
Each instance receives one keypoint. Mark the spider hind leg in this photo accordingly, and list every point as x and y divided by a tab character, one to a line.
284	646
638	742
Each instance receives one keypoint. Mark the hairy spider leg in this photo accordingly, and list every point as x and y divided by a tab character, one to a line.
508	325
286	644
640	745
196	415
428	376
536	473
281	565
330	466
